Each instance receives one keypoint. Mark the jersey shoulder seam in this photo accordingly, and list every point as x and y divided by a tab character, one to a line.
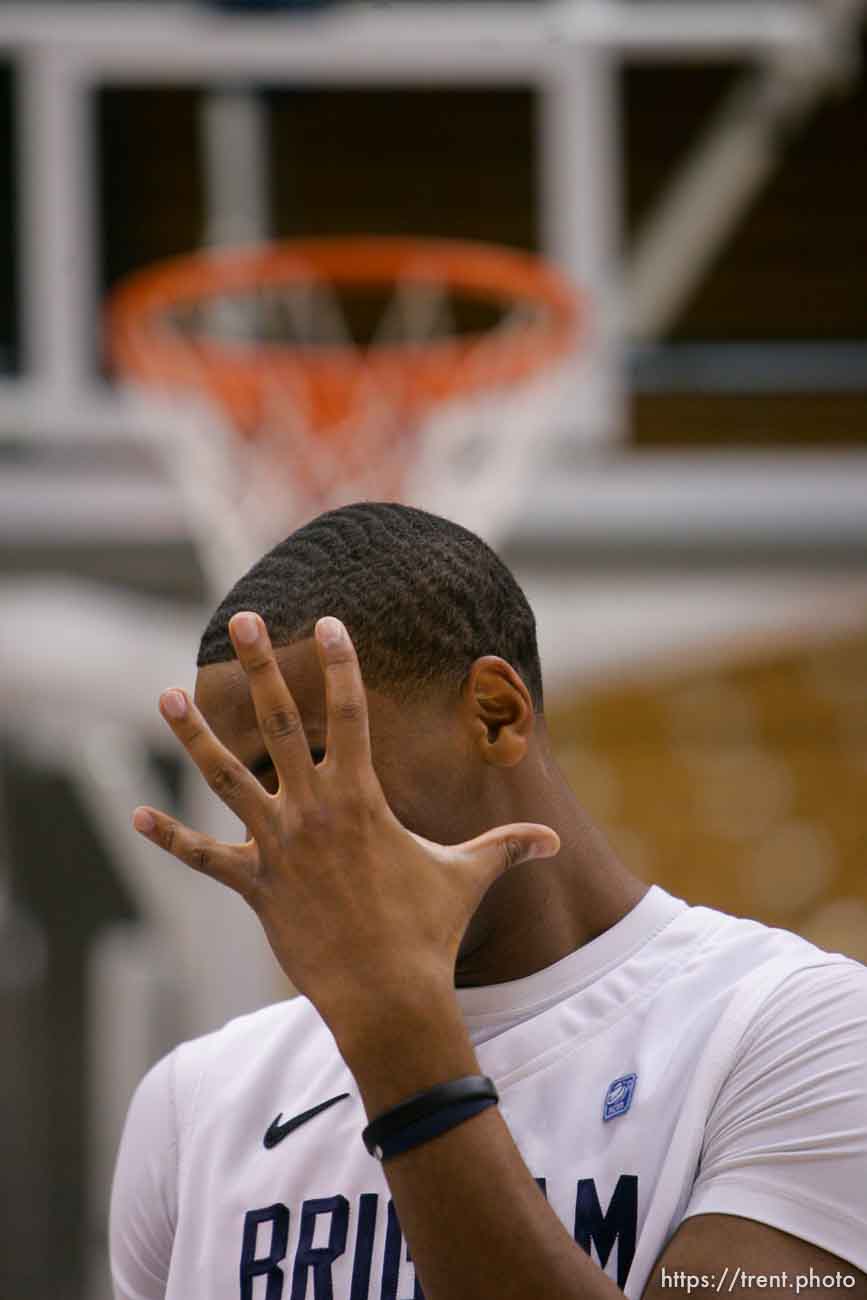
748	1181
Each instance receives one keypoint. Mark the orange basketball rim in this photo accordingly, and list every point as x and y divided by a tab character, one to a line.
243	376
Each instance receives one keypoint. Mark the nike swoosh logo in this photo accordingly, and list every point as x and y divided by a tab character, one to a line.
277	1131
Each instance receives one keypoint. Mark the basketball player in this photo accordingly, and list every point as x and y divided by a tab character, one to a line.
609	1091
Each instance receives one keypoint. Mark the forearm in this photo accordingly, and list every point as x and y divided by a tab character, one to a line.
476	1223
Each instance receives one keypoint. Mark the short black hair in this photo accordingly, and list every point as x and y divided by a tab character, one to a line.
422	598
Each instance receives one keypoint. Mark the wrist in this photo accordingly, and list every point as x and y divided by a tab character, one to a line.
428	1114
403	1039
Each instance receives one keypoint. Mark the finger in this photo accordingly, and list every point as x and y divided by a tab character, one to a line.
345	697
276	711
225	774
227	863
495	852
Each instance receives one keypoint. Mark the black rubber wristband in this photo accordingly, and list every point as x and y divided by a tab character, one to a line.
415	1135
382	1133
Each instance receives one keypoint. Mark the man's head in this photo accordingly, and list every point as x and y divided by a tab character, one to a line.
447	646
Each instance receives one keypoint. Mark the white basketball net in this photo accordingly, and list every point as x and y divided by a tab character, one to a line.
469	457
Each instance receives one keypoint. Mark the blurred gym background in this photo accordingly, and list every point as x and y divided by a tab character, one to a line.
691	530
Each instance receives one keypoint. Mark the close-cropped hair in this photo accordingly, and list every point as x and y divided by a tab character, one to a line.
421	596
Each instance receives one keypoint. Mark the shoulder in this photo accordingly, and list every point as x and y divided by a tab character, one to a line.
212	1066
276	1021
201	1075
826	993
732	951
248	1047
806	1039
785	1142
754	997
784	1134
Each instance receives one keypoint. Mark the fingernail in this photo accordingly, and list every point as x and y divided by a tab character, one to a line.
175	704
143	821
246	628
331	631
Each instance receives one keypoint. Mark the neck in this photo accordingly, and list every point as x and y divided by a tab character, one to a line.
541	911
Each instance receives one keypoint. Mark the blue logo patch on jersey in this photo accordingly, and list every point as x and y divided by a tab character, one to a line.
618	1098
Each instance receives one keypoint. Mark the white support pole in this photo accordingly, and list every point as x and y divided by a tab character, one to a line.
579	142
234	141
58	226
399	43
223	961
131	1001
735	157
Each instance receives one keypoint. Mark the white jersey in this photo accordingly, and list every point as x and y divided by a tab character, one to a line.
684	1062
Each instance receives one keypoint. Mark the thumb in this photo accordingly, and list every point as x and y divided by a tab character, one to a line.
498	850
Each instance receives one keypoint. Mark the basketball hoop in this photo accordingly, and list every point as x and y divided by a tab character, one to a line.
330	358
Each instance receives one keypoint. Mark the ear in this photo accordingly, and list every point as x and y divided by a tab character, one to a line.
499	711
